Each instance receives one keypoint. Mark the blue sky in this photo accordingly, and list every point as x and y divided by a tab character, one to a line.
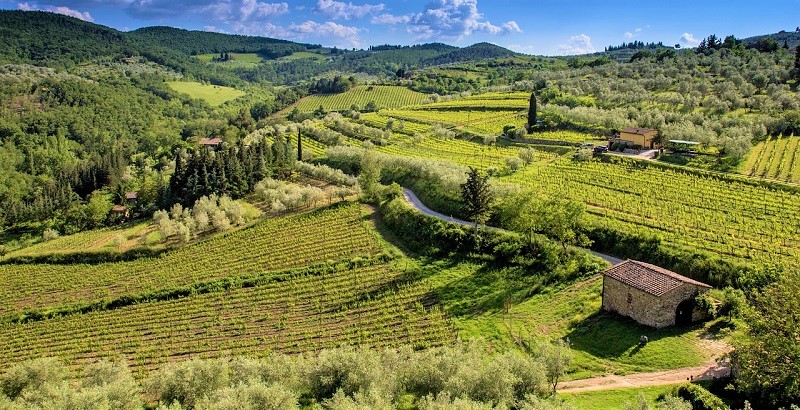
550	27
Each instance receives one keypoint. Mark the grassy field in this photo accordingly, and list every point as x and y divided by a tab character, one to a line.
215	95
100	240
614	399
776	158
385	96
303	55
474	297
251	58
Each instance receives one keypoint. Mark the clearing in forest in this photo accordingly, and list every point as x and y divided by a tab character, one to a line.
214	95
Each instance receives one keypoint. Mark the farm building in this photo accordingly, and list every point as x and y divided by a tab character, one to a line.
651	295
643	137
211	143
131	198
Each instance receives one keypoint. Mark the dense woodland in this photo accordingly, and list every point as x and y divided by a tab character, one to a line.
86	114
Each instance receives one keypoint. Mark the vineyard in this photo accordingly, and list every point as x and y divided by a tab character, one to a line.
383	96
776	158
735	219
275	244
326	308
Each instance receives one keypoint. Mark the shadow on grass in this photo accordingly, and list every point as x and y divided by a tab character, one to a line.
611	336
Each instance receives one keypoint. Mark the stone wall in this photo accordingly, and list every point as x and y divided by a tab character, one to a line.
643	307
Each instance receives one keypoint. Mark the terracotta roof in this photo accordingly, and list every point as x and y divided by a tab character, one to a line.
649	278
119	208
131	195
210	141
640	131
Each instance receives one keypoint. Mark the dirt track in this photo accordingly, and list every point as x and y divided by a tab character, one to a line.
706	372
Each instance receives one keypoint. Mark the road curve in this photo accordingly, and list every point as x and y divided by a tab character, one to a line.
415	203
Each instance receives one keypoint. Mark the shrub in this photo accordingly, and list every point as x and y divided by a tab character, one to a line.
527	155
49	234
698	397
514	164
582	155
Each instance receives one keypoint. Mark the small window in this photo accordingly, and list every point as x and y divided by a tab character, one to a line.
630	298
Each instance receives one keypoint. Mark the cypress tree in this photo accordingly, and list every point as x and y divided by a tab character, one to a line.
299	145
477	196
797	64
532	112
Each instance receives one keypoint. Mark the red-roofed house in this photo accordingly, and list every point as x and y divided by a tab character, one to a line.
211	143
651	295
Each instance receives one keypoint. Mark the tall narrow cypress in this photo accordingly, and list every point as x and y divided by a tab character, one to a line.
532	112
299	145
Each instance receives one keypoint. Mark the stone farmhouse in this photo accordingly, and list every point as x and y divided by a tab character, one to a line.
651	295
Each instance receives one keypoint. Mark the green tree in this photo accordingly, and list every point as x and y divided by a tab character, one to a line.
97	209
557	358
477	197
370	106
370	175
562	220
768	358
532	112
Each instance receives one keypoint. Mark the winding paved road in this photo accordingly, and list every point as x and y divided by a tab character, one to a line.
412	200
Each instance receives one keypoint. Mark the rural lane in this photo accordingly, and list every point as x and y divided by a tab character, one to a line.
707	371
412	200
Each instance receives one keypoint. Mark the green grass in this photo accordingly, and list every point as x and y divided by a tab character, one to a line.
98	240
303	55
243	60
385	96
215	95
473	296
614	399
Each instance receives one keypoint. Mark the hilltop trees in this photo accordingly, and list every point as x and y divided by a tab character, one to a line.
796	70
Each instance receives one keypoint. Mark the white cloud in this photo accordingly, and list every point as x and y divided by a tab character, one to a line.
522	48
85	16
689	40
448	20
630	35
227	11
340	10
580	44
329	33
214	29
387	18
243	10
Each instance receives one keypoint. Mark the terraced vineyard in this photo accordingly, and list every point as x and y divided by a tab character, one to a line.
367	305
274	244
776	158
735	219
384	96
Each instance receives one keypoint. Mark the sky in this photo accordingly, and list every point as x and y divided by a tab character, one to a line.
542	27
